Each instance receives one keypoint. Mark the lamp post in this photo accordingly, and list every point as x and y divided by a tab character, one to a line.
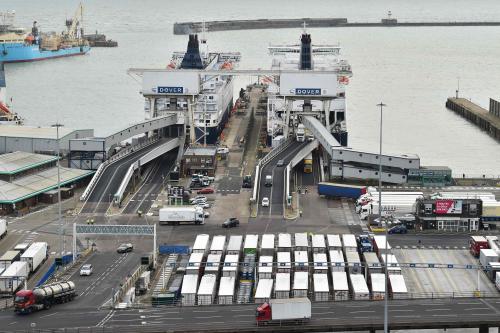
61	227
386	295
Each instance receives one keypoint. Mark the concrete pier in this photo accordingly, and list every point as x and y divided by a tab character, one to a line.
477	115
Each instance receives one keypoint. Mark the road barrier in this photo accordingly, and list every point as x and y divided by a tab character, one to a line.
175	249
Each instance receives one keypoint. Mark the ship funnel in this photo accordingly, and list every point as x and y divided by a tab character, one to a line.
192	59
305	52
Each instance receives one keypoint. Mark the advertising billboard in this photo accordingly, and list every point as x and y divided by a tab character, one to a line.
448	207
170	83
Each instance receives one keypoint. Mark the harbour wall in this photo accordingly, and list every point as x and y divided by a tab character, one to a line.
484	119
184	28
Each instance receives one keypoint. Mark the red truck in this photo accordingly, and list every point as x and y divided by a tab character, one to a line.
27	301
476	243
284	311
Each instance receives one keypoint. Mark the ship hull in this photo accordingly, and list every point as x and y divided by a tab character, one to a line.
11	52
213	133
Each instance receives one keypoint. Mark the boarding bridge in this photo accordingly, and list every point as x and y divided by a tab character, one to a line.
296	160
350	163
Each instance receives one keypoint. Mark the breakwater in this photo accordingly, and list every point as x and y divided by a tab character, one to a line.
183	28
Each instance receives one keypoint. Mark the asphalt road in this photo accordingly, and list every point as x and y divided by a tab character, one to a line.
329	316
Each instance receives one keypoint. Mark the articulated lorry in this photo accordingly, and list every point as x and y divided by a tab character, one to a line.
341	190
284	311
13	278
35	255
3	228
43	297
181	214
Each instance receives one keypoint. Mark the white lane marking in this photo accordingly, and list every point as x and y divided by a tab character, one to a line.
324	313
238	310
367	311
48	315
401	310
444	315
473	309
247	315
407	316
469	303
14	322
437	310
208	317
483	314
205	311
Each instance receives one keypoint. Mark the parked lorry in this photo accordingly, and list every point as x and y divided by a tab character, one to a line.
142	283
43	297
8	258
13	278
341	190
247	181
35	255
300	134
181	214
283	311
476	243
3	228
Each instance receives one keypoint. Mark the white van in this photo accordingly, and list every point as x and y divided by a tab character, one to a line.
269	180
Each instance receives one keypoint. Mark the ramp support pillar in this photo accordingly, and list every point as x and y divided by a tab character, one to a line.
484	329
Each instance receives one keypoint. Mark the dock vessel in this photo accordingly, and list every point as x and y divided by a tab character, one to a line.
7	117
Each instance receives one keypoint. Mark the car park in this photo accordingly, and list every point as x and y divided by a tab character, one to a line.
265	202
206	190
86	270
125	247
231	222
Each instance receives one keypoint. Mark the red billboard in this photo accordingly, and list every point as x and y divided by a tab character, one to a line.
448	207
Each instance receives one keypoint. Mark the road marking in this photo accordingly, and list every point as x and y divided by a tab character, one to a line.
401	310
49	315
14	322
367	311
408	316
438	310
208	317
244	315
444	315
324	313
207	311
238	310
469	303
483	314
472	309
362	317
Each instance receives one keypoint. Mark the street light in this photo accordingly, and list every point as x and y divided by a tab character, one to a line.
386	295
62	247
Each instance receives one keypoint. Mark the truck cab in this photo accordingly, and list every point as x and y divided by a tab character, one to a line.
263	313
247	181
24	301
300	134
365	244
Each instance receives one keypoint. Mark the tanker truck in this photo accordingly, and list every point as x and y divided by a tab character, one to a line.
43	297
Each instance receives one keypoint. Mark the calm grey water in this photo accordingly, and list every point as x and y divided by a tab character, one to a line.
412	70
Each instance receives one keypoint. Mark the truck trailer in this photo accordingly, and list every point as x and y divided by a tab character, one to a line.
284	311
8	258
43	297
176	215
13	277
35	255
340	190
476	243
3	228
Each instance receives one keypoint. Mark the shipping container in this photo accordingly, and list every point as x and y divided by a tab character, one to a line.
213	264
349	243
226	289
334	242
195	263
486	256
301	260
318	243
353	262
300	284
392	264
284	262
359	288
265	269
264	290
398	287
8	258
377	284
321	287
372	263
188	290
282	285
267	245
13	277
320	263
234	245
206	290
251	243
301	242
218	244
284	242
201	243
230	265
35	255
379	242
340	286
340	190
337	261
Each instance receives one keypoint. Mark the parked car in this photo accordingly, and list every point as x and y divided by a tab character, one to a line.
124	248
280	163
398	229
206	214
203	205
86	270
265	202
206	190
198	198
231	222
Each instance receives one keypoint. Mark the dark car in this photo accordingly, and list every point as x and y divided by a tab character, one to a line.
231	222
398	229
124	248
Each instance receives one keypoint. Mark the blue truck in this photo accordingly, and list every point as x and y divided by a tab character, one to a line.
365	243
341	190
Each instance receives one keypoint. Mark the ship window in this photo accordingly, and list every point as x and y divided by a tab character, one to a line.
210	97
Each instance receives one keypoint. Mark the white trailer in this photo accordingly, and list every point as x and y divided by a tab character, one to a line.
206	290
349	243
218	244
359	288
337	261
301	260
284	242
251	243
300	284
397	287
8	258
201	243
35	255
340	286
176	215
264	290
284	262
334	242
321	287
485	196
379	244
230	265
282	285
265	269
234	245
194	263
486	256
3	228
267	245
301	242
353	262
389	207
497	280
226	289
320	263
377	283
282	311
22	247
392	264
318	243
13	277
372	263
213	264
188	290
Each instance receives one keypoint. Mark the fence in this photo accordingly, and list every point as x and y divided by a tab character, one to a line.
176	249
